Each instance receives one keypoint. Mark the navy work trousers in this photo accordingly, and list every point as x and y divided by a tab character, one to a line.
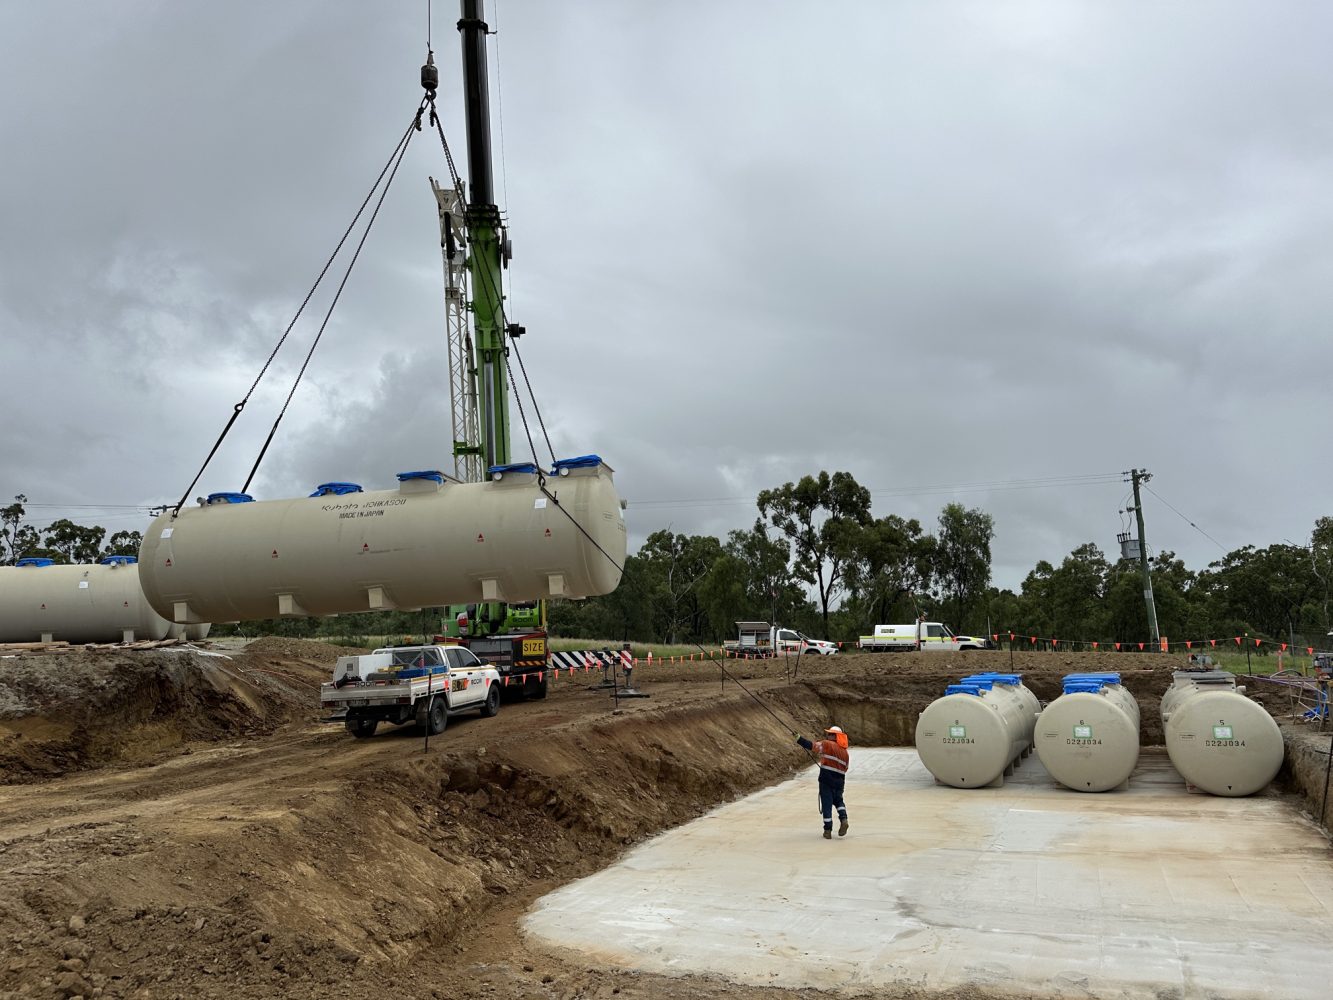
830	795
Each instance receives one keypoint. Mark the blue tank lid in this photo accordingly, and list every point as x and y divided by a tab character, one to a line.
582	462
997	678
336	489
118	560
229	498
1084	685
35	561
434	475
500	470
963	689
1108	678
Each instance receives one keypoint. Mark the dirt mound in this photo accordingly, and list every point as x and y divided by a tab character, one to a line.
284	650
86	709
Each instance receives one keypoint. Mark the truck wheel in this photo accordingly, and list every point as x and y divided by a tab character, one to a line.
539	692
437	716
491	707
362	729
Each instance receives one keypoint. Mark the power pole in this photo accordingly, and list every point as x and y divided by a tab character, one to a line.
1138	476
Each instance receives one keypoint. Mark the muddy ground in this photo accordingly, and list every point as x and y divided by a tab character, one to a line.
174	824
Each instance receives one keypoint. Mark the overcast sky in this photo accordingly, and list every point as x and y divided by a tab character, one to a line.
993	252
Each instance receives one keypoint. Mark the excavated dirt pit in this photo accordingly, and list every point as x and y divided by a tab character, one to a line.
183	827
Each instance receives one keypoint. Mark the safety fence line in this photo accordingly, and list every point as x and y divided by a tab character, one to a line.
1165	645
593	660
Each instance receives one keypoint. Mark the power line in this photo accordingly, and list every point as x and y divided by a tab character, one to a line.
1095	479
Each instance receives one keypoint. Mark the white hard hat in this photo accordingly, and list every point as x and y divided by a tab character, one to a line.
832	729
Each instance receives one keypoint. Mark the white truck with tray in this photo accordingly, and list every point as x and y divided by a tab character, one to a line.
921	635
422	685
759	640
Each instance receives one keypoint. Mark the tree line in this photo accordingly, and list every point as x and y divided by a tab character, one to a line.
816	559
61	541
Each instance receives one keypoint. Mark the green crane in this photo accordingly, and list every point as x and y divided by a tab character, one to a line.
479	373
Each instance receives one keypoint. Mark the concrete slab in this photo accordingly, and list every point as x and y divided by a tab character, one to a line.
1028	888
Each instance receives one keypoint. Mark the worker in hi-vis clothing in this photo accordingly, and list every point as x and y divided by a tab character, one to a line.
832	756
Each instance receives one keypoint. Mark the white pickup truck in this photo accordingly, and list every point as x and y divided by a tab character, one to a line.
401	684
919	635
760	639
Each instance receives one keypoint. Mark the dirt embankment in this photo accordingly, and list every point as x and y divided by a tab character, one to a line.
277	858
366	866
75	710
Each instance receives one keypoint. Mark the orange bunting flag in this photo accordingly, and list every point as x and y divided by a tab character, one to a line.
1284	647
1094	645
1011	637
1032	639
1237	640
1140	647
1256	642
1055	642
1117	647
995	637
1309	651
1189	644
1212	642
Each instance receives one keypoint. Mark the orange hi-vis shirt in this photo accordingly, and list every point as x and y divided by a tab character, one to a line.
831	756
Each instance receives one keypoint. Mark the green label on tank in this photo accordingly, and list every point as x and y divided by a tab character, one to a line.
1222	733
1082	732
957	732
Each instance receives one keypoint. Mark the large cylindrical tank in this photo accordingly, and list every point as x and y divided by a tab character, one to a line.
1219	740
1088	738
102	602
428	543
972	735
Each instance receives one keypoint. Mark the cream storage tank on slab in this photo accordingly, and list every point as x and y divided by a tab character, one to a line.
1088	738
977	731
1218	739
98	602
428	543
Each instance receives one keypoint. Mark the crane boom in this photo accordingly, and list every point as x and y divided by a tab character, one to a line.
486	241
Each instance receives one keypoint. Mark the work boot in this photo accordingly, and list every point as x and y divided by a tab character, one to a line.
842	827
828	834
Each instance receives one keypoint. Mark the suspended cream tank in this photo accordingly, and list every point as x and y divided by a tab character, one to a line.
1219	740
976	732
430	542
41	601
1088	738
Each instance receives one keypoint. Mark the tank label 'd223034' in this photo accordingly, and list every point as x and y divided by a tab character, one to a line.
958	734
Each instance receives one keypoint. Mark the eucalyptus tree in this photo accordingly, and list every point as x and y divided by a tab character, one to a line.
823	518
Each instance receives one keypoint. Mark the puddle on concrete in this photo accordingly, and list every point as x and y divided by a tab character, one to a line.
1028	888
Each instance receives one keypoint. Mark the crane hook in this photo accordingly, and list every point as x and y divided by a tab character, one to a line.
430	75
